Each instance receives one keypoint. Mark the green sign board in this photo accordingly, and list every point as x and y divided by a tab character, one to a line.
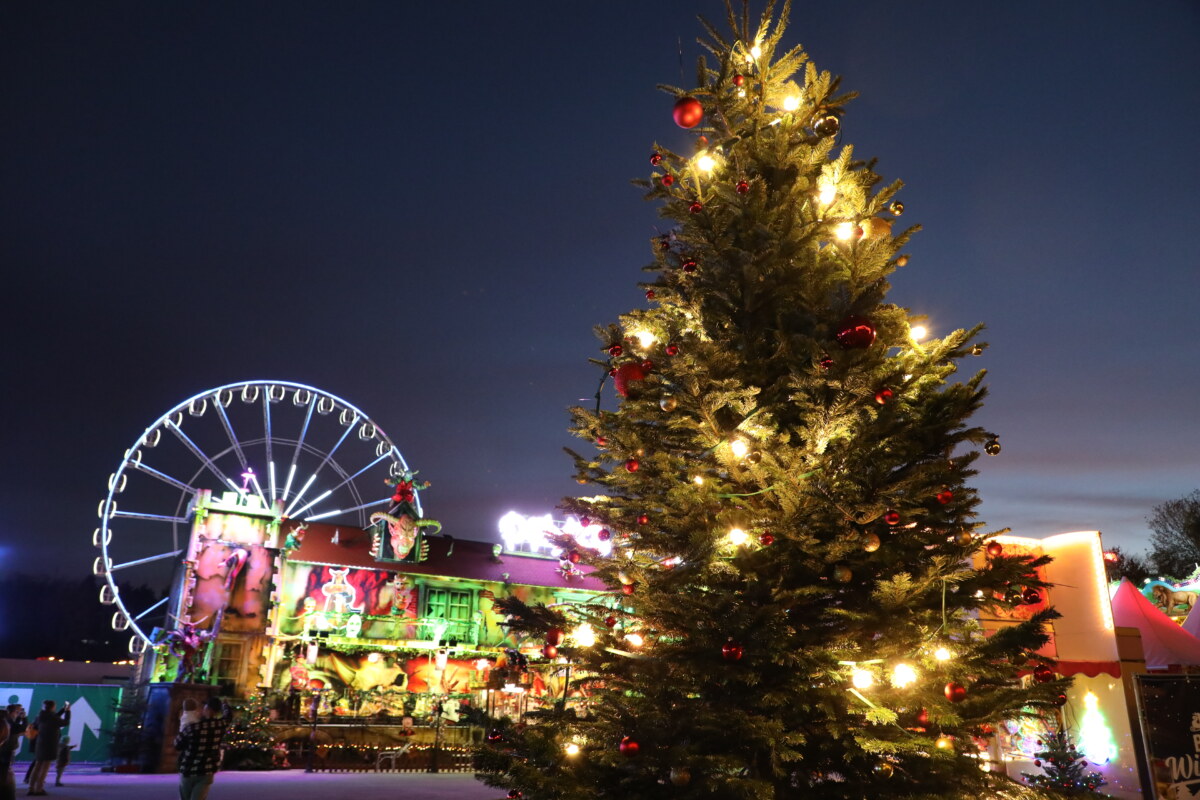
93	714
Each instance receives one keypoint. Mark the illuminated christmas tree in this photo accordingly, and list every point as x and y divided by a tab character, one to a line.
796	566
1064	768
249	743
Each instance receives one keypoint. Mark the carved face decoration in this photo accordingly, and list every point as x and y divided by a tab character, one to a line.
403	534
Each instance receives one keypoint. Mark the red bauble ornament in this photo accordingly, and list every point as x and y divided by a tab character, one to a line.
655	159
923	717
515	794
648	366
554	636
1060	701
696	207
766	540
632	465
601	441
892	518
1031	596
628	747
882	396
626	588
956	692
1043	673
945	496
626	373
994	549
688	266
667	180
643	519
573	556
650	294
855	333
731	651
826	362
738	80
688	112
610	622
603	535
616	350
742	187
671	349
550	651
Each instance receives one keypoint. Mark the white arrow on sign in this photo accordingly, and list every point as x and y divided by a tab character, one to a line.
82	716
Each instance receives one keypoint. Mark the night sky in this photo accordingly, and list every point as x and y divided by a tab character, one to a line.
424	208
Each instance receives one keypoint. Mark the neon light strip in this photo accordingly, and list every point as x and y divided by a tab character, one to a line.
316	500
271	478
300	494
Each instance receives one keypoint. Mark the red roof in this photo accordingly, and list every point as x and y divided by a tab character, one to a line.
448	557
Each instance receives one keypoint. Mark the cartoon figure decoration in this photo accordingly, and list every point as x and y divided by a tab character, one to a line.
185	642
295	538
399	602
338	593
1171	600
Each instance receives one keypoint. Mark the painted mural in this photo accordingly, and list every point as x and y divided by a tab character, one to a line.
230	585
355	603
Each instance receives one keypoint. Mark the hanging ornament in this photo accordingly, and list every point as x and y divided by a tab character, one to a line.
825	125
650	294
515	794
610	622
701	142
647	366
671	349
766	540
1043	674
696	207
574	557
964	538
955	692
625	373
842	573
826	362
855	333
902	261
992	448
688	266
688	112
668	403
923	718
731	650
742	187
655	159
1060	701
601	441
1031	596
944	742
875	228
892	517
944	496
884	769
643	519
628	747
882	396
739	80
627	588
550	651
585	521
616	350
667	180
604	534
680	776
871	542
994	549
896	207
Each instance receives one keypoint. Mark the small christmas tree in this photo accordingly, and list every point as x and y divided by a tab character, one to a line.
249	743
1064	768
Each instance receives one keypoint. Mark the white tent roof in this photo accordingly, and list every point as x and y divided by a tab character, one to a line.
1164	643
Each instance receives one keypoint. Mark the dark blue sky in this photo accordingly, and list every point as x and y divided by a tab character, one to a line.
424	208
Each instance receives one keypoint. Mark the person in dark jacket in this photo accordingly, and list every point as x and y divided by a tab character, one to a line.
14	722
49	725
199	746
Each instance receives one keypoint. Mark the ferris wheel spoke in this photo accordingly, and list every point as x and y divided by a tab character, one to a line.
147	560
360	472
151	608
312	404
315	500
141	466
143	515
266	401
373	503
228	426
198	453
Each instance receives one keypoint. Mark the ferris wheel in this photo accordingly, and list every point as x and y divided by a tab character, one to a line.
276	445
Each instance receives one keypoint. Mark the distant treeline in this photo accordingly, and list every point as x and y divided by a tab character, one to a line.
62	617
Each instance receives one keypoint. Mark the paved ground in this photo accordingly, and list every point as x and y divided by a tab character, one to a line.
87	783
